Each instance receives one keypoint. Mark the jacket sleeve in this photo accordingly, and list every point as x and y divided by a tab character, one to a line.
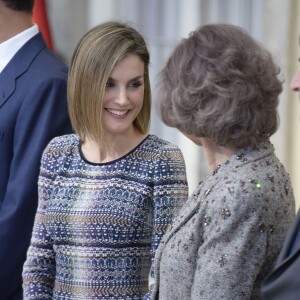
43	115
233	249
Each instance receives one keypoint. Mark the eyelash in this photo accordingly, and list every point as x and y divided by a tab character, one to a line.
109	84
134	84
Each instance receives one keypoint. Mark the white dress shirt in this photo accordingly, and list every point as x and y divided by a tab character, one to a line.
10	47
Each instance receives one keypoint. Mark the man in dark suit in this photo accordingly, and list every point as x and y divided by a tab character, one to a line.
284	282
33	110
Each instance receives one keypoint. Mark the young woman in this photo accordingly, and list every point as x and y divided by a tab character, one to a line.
107	193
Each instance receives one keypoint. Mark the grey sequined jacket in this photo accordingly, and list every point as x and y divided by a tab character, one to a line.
227	237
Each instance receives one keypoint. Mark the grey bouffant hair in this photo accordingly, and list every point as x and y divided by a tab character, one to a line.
222	84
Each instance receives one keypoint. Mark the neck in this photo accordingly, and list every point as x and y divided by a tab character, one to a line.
116	148
12	22
215	154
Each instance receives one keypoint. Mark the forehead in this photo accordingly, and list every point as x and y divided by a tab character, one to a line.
130	65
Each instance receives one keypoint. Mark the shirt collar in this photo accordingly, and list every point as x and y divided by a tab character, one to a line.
10	47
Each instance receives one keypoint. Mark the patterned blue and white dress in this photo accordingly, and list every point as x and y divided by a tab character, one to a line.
98	226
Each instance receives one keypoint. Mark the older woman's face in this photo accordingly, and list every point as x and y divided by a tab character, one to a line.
295	83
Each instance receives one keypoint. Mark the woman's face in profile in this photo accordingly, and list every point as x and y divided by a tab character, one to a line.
295	83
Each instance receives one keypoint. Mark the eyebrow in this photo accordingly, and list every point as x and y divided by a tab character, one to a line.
132	79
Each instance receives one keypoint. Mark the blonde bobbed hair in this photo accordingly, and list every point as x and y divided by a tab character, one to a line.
92	63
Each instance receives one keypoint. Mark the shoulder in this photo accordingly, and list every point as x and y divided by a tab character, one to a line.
254	186
161	149
57	157
55	67
62	146
39	62
64	142
47	66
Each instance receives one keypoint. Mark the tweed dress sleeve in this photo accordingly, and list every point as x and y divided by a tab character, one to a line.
234	246
170	193
39	267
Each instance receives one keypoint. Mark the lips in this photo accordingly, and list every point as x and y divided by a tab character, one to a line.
117	112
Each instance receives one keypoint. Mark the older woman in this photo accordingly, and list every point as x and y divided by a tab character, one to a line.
220	88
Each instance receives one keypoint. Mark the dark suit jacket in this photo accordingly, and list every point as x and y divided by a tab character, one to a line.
284	282
33	109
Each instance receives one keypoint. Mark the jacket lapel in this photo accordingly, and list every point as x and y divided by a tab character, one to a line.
7	86
187	212
18	65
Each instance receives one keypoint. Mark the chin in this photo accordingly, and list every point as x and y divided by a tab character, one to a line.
196	140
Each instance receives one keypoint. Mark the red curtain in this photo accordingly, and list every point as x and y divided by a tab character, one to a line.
41	19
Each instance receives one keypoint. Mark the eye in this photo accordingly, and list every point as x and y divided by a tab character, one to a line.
135	84
110	84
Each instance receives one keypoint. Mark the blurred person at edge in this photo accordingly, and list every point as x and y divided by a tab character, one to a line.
107	193
33	110
220	88
284	282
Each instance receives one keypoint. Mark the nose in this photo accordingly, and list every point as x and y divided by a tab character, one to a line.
122	97
295	83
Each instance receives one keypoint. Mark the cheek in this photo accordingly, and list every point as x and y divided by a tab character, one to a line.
295	83
139	98
107	96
